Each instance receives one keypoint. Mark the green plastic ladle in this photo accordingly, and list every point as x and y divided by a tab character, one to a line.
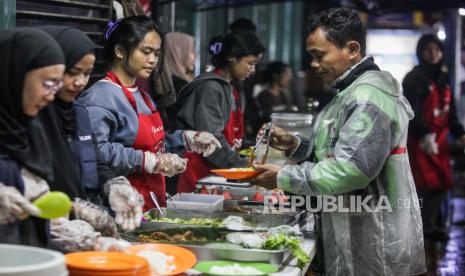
53	205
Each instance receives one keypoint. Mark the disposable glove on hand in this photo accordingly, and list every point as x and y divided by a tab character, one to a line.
14	206
111	244
200	142
74	235
125	201
34	186
429	145
168	164
96	216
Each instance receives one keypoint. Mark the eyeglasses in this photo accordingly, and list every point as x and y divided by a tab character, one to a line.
52	86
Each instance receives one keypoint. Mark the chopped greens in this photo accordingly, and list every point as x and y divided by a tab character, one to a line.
226	223
281	241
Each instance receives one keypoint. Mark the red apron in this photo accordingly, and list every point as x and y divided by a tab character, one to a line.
197	166
150	137
433	172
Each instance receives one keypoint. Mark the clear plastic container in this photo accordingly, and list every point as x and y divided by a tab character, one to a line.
297	123
188	201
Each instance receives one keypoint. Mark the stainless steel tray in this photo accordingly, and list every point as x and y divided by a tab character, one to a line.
209	253
237	193
260	220
254	207
203	234
214	250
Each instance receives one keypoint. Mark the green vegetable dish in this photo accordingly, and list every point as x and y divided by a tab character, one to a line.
281	241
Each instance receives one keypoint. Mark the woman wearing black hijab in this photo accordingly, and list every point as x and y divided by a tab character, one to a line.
429	93
31	69
59	118
76	169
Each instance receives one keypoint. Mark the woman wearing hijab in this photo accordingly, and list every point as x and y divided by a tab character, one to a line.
180	60
428	91
180	57
77	171
63	118
31	67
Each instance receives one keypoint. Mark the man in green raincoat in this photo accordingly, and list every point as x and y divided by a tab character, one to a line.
357	148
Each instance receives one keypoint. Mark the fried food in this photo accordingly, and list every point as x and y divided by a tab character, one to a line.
159	236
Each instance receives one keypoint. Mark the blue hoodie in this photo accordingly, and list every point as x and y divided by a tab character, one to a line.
115	125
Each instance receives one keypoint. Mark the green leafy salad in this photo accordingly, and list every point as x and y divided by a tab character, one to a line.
282	241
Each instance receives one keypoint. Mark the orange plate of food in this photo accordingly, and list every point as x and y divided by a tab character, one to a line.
237	173
105	262
180	259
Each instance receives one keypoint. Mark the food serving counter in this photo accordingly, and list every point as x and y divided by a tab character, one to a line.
288	269
282	259
241	229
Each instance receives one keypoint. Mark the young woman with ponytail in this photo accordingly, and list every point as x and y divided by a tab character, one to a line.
126	121
210	103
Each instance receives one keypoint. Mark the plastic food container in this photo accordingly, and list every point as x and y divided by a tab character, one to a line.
297	123
202	202
19	260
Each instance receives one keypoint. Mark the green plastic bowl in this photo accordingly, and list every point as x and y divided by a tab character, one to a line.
53	205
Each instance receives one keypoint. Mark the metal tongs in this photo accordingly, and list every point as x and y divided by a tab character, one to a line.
263	141
154	199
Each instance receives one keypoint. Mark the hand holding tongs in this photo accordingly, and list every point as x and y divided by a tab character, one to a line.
260	150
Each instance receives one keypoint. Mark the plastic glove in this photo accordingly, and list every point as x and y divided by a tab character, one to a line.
200	142
34	186
96	216
429	145
168	164
125	201
280	139
74	235
111	244
13	205
237	144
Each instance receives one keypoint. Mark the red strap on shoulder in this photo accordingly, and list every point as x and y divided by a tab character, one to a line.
114	78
